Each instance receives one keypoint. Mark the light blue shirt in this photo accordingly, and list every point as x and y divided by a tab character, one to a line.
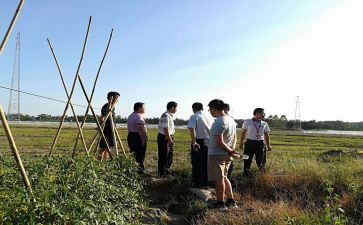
226	126
202	123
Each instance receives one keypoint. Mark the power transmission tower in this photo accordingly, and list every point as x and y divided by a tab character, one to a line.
14	100
297	119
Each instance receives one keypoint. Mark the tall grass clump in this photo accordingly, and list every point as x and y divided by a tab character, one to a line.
80	191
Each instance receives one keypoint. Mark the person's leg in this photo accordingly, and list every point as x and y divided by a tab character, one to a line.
247	157
220	189
162	154
230	170
139	151
195	170
260	155
203	160
170	153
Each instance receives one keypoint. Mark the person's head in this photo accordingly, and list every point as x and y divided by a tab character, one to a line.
259	113
172	107
226	109
197	106
139	107
113	96
216	107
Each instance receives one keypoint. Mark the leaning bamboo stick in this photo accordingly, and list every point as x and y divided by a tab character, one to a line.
15	152
70	103
119	140
93	90
102	125
114	133
72	89
12	23
94	115
4	122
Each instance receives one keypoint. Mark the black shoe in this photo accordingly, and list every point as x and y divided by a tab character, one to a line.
220	206
231	203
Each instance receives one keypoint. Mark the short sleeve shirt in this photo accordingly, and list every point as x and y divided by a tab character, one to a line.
202	123
104	111
225	126
166	121
133	120
255	129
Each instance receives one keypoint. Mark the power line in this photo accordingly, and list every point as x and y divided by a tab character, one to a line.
40	96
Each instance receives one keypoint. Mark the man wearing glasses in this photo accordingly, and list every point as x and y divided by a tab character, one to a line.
256	133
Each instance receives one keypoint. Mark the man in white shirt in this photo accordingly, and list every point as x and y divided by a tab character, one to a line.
256	132
166	130
199	126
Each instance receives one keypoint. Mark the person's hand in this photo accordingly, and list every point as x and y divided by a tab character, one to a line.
241	146
269	148
195	146
170	143
234	154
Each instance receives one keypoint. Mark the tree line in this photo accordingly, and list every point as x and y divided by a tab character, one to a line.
274	121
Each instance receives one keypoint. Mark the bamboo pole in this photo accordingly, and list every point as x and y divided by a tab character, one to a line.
93	90
94	115
114	133
72	89
15	152
119	140
70	103
12	23
4	122
102	125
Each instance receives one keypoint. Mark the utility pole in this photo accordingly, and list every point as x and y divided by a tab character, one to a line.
297	119
14	100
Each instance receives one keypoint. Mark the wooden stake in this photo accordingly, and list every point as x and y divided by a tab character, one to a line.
15	152
70	103
93	91
119	141
12	23
72	89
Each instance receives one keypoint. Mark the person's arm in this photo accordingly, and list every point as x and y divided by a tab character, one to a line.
168	137
267	140
234	141
142	133
243	135
220	143
195	145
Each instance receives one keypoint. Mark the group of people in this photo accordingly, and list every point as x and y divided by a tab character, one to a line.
213	143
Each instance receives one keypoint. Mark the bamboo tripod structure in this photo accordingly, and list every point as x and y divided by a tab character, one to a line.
4	122
78	77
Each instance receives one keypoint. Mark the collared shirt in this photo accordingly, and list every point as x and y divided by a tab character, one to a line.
202	123
226	126
133	120
166	121
255	129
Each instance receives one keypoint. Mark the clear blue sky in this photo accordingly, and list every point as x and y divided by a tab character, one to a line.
249	53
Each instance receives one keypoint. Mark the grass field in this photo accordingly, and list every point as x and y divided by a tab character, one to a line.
301	184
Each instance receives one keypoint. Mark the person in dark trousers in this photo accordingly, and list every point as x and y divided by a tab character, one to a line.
137	134
199	126
256	132
165	139
108	129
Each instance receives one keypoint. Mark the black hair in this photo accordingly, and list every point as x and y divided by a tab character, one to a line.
226	108
171	104
217	104
112	94
258	110
197	106
138	105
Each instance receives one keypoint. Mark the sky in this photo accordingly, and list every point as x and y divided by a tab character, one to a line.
252	53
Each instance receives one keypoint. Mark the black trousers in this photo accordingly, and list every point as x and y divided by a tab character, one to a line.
165	155
257	148
199	165
135	144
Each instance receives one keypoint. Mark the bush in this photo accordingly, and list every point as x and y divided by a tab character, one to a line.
81	191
